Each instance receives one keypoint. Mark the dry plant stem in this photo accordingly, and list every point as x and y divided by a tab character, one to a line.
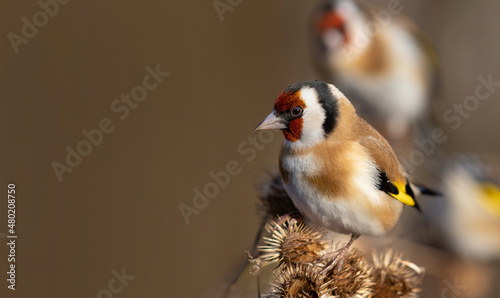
252	252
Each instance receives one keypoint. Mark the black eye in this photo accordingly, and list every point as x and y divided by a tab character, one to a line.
297	111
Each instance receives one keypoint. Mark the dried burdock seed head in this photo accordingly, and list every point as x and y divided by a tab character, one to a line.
274	200
291	241
298	280
354	280
395	277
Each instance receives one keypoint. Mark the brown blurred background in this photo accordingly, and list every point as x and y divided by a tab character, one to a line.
119	207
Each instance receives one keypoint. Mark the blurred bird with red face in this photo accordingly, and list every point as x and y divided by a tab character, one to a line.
338	170
379	60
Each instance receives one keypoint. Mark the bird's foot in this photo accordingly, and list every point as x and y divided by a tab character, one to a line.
338	256
335	259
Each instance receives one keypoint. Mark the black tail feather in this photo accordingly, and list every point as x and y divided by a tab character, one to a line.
426	191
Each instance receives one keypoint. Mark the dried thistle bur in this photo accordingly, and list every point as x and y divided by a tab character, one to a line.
291	242
301	254
354	280
298	280
299	251
389	276
309	280
395	277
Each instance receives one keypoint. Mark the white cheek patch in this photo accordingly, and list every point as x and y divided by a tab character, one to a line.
333	40
314	116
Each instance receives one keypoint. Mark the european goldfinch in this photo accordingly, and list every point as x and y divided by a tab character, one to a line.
378	59
471	212
338	170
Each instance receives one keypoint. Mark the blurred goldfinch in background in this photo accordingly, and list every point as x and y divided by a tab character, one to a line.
470	215
379	59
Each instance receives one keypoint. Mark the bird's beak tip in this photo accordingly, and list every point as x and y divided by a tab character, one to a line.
271	122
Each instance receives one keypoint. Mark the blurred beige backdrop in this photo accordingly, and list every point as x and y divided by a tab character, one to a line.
119	207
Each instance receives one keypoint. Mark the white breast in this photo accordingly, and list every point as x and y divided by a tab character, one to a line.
345	215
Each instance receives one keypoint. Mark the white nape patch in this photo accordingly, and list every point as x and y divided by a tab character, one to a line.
336	92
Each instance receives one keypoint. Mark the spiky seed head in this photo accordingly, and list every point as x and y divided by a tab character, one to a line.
298	280
292	241
354	280
395	277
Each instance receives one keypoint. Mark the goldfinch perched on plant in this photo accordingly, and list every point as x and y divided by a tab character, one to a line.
338	170
378	59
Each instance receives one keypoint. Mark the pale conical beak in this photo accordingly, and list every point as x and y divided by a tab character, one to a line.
271	122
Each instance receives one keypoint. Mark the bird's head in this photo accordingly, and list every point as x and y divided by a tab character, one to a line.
334	24
305	112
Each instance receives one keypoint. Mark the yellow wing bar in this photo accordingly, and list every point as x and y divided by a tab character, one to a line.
403	196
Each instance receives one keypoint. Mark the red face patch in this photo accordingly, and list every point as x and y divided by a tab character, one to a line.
283	105
288	101
294	130
332	20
